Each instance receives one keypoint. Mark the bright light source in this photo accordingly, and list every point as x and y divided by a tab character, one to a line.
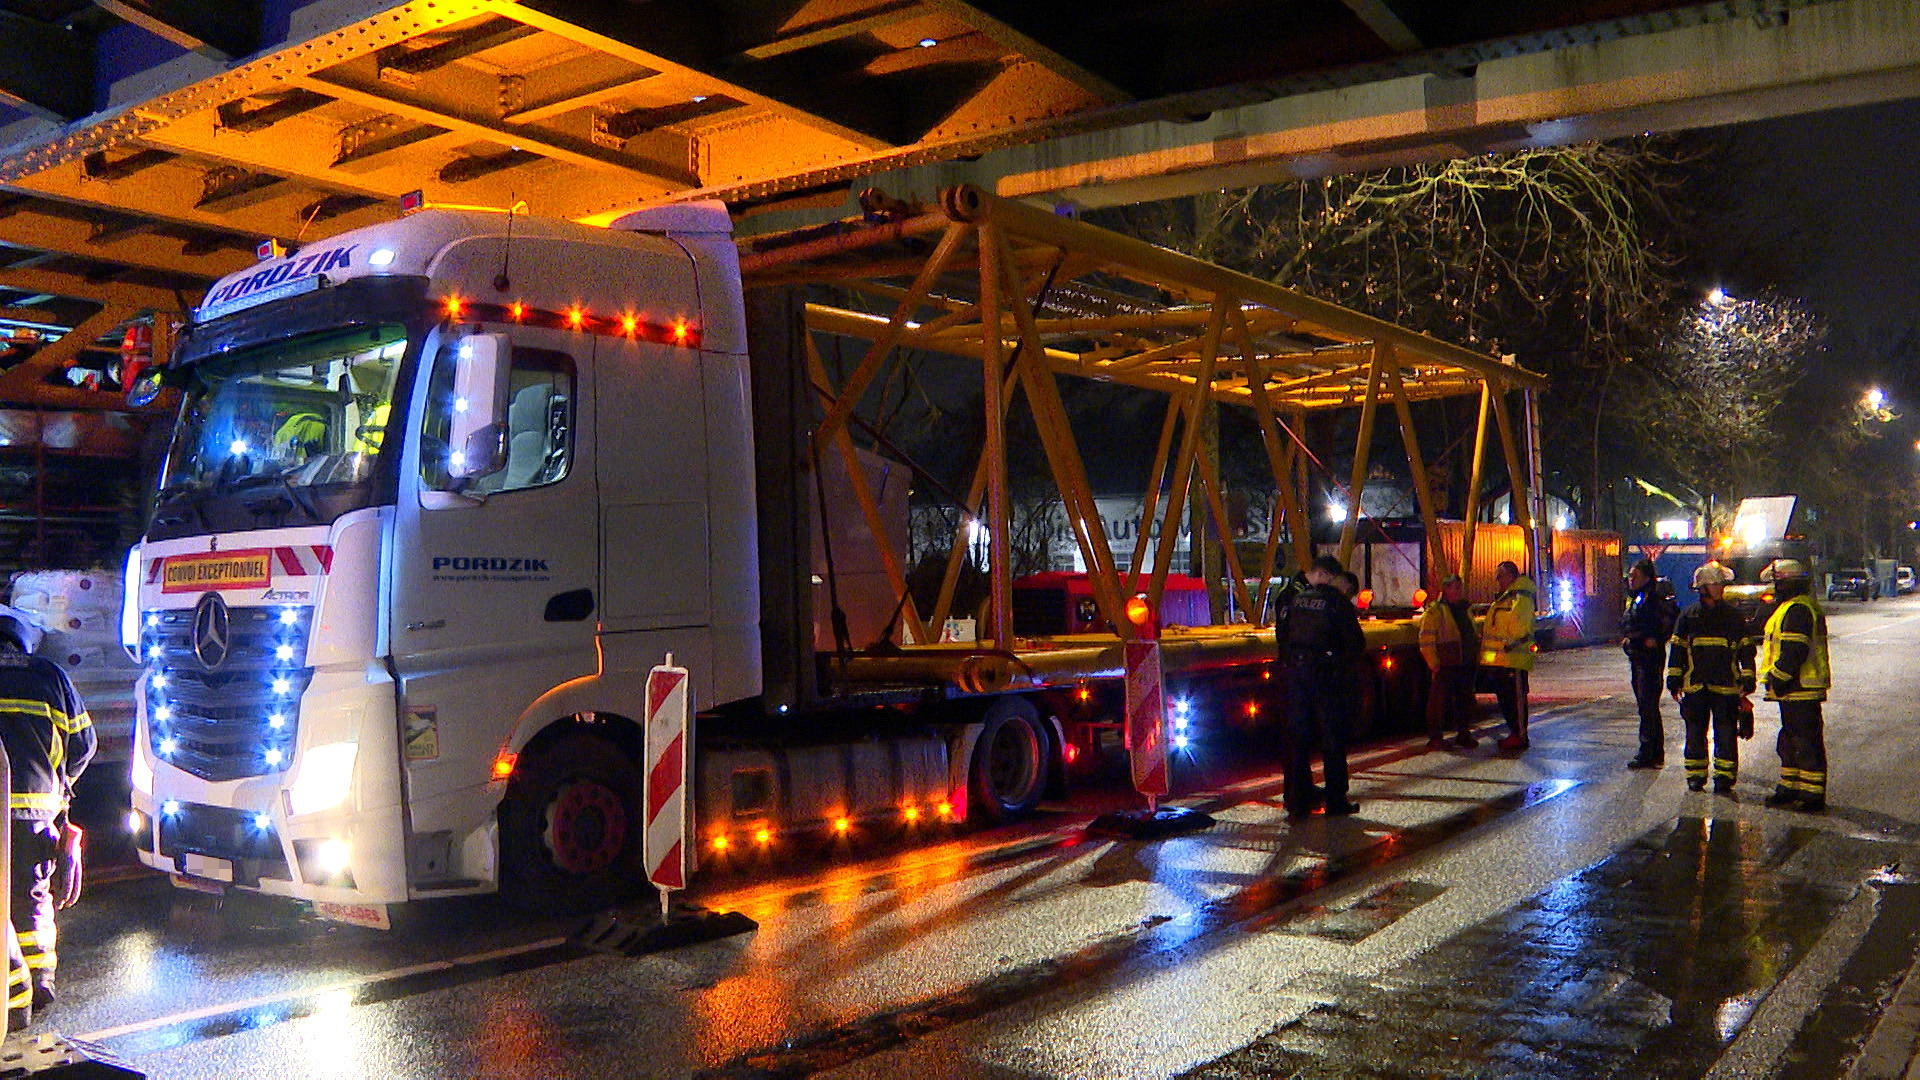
380	257
1181	706
503	764
333	856
460	404
698	98
1179	742
153	652
281	686
170	807
163	713
928	43
1876	398
1139	611
289	616
1673	529
167	747
1180	723
324	779
261	822
912	814
945	809
1717	296
237	447
763	836
275	757
153	619
284	652
136	821
841	825
721	843
1336	512
277	721
1560	521
159	681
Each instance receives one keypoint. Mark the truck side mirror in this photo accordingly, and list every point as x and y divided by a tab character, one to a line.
477	435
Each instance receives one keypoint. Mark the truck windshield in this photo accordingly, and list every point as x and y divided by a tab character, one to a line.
292	430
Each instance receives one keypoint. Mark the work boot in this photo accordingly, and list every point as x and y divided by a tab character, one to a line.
1696	783
1513	744
1782	797
1646	763
1436	743
1466	741
1722	786
1343	808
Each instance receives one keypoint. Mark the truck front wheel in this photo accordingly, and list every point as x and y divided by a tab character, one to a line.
1009	770
570	829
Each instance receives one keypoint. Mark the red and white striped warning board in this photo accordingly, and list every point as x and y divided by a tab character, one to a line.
666	792
252	568
1146	718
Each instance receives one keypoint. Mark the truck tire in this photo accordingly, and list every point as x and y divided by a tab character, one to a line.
1009	769
571	829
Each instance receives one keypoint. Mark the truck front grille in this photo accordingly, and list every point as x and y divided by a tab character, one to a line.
240	717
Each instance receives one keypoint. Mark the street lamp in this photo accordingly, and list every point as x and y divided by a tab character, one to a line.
1876	398
1718	296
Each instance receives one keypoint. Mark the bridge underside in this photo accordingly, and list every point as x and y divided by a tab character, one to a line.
148	146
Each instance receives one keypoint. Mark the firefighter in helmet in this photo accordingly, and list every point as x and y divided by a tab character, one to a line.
49	740
1793	660
1709	672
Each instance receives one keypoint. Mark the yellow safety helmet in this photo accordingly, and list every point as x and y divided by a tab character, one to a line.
1783	568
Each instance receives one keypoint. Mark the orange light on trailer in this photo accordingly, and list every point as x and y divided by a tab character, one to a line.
763	837
841	825
1253	708
503	764
945	809
1072	752
721	843
1084	694
1419	598
911	813
1266	674
1386	663
1364	600
1138	610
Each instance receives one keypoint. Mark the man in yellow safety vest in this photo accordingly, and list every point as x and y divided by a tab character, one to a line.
1506	647
1793	660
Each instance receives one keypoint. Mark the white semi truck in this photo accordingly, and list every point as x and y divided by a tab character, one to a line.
441	492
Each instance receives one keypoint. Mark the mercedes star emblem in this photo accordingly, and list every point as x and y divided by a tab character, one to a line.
210	631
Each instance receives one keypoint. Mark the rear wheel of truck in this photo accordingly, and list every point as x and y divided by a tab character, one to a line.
570	829
1009	769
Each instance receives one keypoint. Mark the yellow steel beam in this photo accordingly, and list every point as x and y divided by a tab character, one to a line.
22	382
1032	49
1362	451
113	293
67	236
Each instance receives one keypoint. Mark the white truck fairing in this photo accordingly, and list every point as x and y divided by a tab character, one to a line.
424	638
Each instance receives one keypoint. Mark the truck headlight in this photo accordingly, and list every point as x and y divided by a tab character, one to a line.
326	776
130	603
333	856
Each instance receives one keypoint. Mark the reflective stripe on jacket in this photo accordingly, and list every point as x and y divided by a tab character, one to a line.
1794	651
1712	650
1444	641
48	734
1507	640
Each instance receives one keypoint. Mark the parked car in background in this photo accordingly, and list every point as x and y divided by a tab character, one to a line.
1903	581
1854	583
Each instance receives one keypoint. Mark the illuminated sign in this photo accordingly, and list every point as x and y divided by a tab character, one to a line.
223	570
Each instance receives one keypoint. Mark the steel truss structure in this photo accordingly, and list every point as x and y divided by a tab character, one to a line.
1032	296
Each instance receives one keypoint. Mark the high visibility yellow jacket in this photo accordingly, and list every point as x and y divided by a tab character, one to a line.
1793	652
1507	639
48	734
1446	636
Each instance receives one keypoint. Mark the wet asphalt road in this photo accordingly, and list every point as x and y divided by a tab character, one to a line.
1548	915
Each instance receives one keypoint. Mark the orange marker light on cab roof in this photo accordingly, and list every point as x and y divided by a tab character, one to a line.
576	317
680	331
503	764
517	310
629	325
454	307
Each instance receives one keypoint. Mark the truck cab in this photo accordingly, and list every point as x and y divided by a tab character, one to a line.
440	493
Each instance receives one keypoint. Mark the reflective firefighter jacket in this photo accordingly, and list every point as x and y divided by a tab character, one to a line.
1793	656
1507	640
1712	650
48	734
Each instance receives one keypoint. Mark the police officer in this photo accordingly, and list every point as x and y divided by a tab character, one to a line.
49	740
1709	671
1645	628
1506	647
1793	657
1321	644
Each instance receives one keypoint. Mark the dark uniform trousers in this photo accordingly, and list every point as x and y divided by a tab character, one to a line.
1803	749
1450	701
1320	699
1649	673
1722	711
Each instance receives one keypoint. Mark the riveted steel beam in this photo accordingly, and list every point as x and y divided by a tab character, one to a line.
70	233
237	116
75	287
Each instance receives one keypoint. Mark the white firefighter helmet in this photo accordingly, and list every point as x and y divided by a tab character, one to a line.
1784	570
1711	573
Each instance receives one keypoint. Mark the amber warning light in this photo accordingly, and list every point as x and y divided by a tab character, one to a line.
1140	614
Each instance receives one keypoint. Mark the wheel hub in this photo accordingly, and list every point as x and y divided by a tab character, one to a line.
586	827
